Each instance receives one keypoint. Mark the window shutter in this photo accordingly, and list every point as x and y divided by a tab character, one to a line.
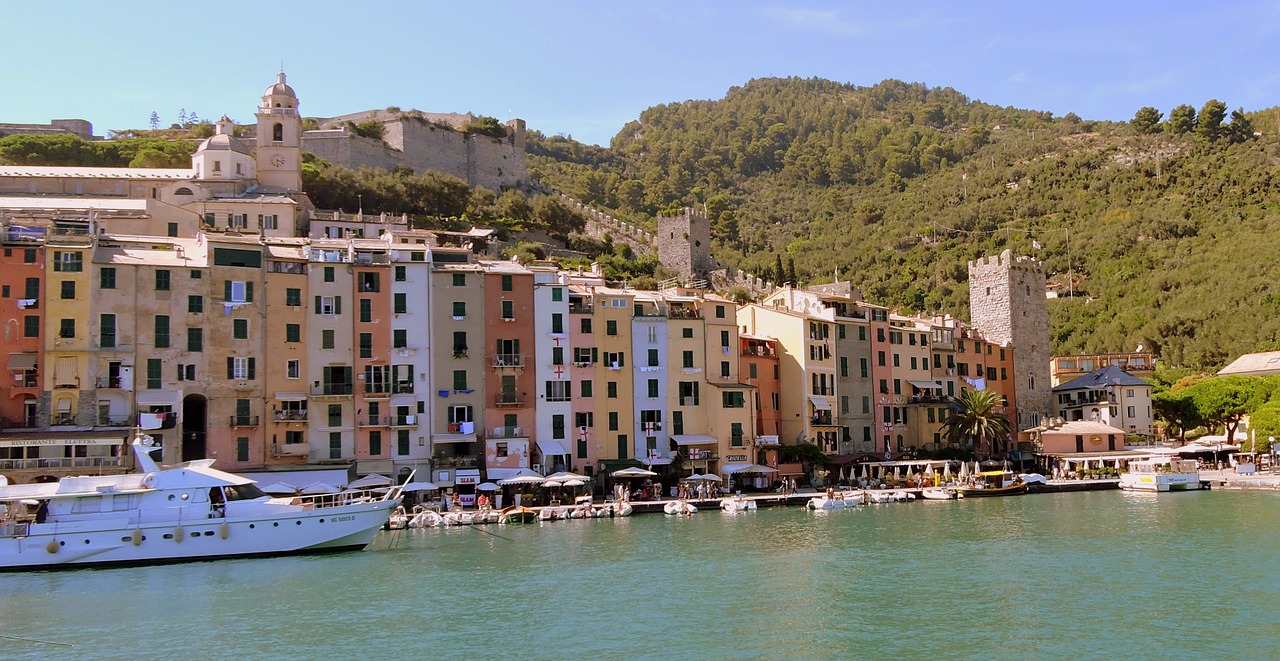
226	290
231	367
337	305
317	305
248	292
595	356
251	369
181	372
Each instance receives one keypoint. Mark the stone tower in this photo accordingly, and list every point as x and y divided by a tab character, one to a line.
280	137
1007	304
684	243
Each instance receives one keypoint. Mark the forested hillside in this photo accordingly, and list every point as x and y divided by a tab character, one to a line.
1165	228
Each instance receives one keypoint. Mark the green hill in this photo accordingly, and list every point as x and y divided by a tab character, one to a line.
1166	237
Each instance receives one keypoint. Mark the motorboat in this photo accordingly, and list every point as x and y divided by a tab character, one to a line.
679	507
458	518
939	493
835	500
1162	474
425	518
553	513
399	519
993	483
518	514
888	496
737	504
190	511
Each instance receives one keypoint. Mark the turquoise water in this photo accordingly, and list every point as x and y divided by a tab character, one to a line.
1043	576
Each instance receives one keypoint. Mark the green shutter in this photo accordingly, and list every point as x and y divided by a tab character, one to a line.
251	369
317	305
231	367
226	290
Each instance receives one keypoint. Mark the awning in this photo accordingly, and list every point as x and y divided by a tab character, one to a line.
453	438
819	403
729	469
551	448
694	439
925	385
291	396
156	397
22	361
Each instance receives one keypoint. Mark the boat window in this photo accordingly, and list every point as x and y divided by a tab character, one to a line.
243	492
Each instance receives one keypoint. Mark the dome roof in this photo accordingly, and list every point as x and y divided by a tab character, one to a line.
222	142
280	88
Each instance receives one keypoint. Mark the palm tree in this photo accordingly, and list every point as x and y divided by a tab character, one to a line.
974	420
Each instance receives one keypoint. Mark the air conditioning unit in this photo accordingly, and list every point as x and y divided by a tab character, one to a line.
537	468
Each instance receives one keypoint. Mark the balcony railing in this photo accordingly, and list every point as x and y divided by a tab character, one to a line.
115	420
455	462
374	421
63	419
108	382
244	421
377	390
508	360
823	420
402	388
404	421
507	432
289	449
290	415
332	389
580	309
502	400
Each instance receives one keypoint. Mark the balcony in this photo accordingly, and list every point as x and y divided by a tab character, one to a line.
290	415
507	400
926	399
60	462
402	421
332	390
244	421
702	455
109	420
373	421
402	388
821	419
508	360
580	309
467	461
62	419
377	390
683	313
507	432
108	382
289	449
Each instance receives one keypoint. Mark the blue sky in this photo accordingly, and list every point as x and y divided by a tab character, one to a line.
585	68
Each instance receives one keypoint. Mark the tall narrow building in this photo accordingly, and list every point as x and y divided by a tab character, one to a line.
1008	306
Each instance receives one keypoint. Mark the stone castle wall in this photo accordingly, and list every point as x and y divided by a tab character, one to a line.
1008	305
684	243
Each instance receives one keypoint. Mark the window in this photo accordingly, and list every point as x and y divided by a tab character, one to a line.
586	325
401	274
268	221
724	338
186	372
195	339
653	388
292	333
557	391
293	369
335	440
459	380
68	289
370	282
913	363
584	388
326	339
162	331
614	360
31	326
735	434
611	390
68	262
687	360
154	365
107	331
399	339
400	303
844	365
557	294
751	370
506	283
719	312
686	333
459	279
329	305
613	421
366	345
162	280
335	415
328	274
240	369
366	310
611	327
459	344
688	393
195	304
293	297
897	360
237	291
724	369
240	329
557	322
67	328
375	443
107	278
508	310
653	357
732	400
29	256
557	355
880	358
459	309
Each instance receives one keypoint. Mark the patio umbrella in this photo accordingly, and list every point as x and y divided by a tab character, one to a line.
370	481
522	479
280	488
633	472
487	486
692	478
712	478
552	483
946	471
563	475
319	488
964	470
419	486
574	483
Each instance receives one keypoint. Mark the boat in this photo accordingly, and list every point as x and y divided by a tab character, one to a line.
679	507
1162	474
836	500
399	519
993	483
939	493
888	496
518	514
737	504
425	518
190	511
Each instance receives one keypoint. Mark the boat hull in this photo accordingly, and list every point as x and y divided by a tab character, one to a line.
115	542
1011	490
1160	483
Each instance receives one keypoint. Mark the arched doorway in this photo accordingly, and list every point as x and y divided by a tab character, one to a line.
195	410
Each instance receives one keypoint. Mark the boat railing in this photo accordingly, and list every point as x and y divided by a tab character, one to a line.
15	529
341	499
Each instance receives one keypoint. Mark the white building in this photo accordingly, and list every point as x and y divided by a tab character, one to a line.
1110	396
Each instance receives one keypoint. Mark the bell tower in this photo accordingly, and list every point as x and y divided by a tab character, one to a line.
280	137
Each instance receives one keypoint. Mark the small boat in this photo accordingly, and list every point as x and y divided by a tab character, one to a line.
458	518
1162	474
553	513
889	496
399	519
939	493
624	509
679	507
737	504
993	483
190	511
835	500
426	518
518	514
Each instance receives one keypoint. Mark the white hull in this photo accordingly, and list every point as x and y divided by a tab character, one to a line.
112	541
678	507
738	505
939	493
1157	483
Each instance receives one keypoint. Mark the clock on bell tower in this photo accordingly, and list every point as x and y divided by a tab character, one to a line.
279	150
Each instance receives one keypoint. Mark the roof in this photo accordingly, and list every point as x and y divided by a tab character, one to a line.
1107	376
1255	364
1080	427
73	203
222	142
85	172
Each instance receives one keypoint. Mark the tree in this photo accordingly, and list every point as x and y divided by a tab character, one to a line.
155	120
973	421
1241	128
1209	126
1265	424
489	126
1146	120
1178	411
1182	119
1226	400
779	276
791	272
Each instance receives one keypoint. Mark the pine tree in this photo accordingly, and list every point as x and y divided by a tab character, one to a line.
155	120
791	272
779	276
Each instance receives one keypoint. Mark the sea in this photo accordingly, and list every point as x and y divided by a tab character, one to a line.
1044	576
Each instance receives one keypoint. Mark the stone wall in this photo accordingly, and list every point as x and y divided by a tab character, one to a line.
599	224
1008	305
684	244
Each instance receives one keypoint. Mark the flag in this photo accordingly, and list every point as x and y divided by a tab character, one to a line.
1035	244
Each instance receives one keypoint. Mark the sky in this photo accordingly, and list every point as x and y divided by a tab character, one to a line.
584	69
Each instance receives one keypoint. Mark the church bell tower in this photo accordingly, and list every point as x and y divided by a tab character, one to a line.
280	138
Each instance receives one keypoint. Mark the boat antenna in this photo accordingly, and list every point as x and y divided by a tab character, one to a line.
36	640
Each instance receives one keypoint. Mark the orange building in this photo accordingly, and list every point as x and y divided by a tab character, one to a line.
21	286
510	374
372	360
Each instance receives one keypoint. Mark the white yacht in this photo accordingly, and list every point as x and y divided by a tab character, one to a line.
1162	474
187	512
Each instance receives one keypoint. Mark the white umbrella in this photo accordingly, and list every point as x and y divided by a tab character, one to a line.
370	481
319	488
633	472
419	486
552	483
487	486
712	478
522	479
946	470
563	475
280	488
574	483
694	478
